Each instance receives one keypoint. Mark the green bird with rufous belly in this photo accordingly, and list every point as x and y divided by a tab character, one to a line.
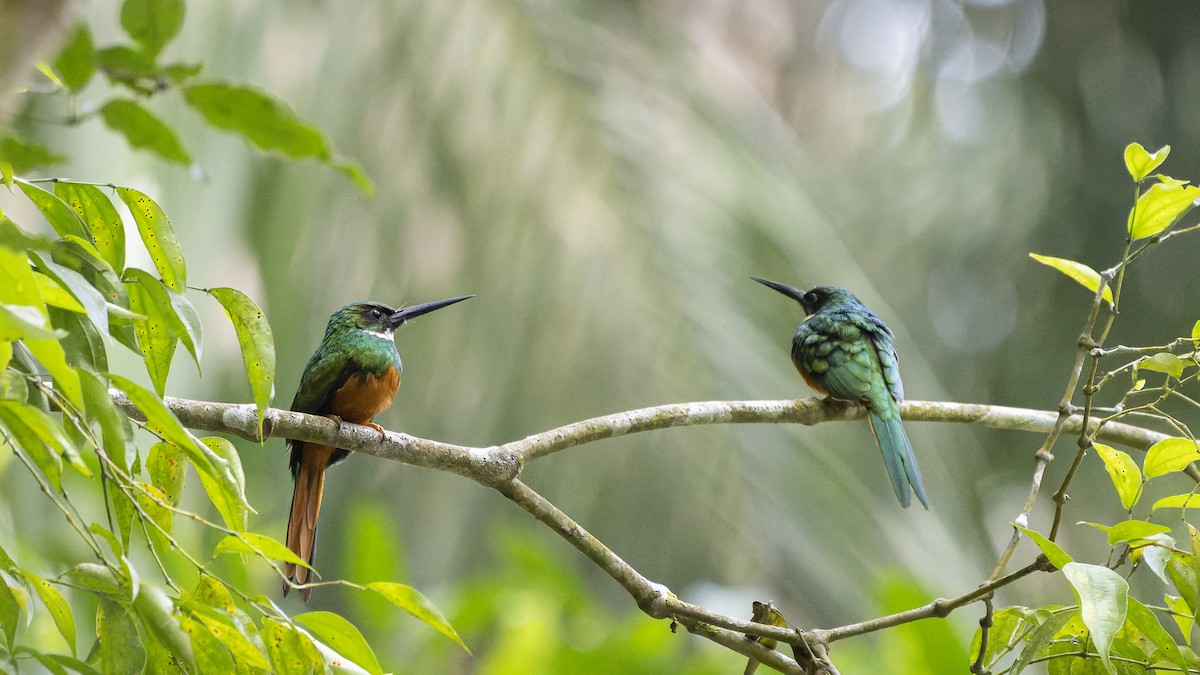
353	376
846	352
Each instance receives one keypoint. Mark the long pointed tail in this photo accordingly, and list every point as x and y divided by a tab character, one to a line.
306	506
898	458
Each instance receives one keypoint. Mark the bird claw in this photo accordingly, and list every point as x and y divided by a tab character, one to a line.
376	427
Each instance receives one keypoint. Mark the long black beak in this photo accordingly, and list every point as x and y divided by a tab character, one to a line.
402	315
793	293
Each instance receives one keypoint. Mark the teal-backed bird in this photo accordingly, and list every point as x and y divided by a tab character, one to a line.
844	351
353	376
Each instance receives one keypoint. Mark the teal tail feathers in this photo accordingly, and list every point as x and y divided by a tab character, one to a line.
898	457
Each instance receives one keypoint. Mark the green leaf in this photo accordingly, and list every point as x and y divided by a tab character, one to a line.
185	323
1163	362
22	157
142	129
211	655
22	322
100	217
83	345
1159	207
114	425
412	601
343	637
56	295
172	310
1103	603
121	648
257	344
152	23
291	650
1157	553
10	612
235	512
1088	277
157	615
1141	163
59	610
57	213
1188	500
42	439
1130	530
129	67
155	340
229	633
1124	472
1182	573
158	237
1196	331
1184	617
165	466
1145	621
249	542
1040	638
76	63
262	119
1170	455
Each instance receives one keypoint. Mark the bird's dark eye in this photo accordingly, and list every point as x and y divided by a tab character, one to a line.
375	314
811	298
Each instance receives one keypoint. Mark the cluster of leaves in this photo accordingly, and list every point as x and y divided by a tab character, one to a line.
1110	630
135	73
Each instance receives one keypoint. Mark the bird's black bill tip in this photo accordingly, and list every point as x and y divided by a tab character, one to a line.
406	313
793	293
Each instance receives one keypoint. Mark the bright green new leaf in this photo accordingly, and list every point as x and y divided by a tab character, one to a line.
60	216
291	650
76	63
100	217
1184	618
121	649
1051	550
1196	331
158	237
55	295
234	512
412	601
22	322
141	129
59	610
249	542
152	23
1163	362
1040	638
1170	455
1159	207
1188	500
1103	602
262	119
155	340
1130	530
1145	621
342	637
1141	163
257	343
1124	472
1088	277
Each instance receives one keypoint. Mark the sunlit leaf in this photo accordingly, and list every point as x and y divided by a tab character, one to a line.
158	236
1051	550
41	438
142	129
1187	500
1130	530
1141	163
1159	207
1170	455
60	216
152	23
231	635
165	466
21	322
412	601
291	650
1124	472
1145	620
1182	573
210	654
256	341
155	339
1163	362
1088	277
76	63
342	637
1184	618
100	217
55	604
249	542
1103	602
55	295
235	512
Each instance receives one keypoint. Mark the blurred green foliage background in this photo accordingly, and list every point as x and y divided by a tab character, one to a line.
606	177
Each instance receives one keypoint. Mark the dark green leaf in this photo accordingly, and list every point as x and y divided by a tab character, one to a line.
234	512
121	648
143	130
342	636
152	23
262	119
1037	642
60	216
22	157
158	237
412	601
1182	573
10	612
1145	621
82	344
76	63
59	610
257	343
1103	601
114	425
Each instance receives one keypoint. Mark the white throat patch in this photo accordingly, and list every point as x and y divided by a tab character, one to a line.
382	334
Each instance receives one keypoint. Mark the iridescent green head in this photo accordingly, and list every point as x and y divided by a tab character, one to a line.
378	319
817	299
